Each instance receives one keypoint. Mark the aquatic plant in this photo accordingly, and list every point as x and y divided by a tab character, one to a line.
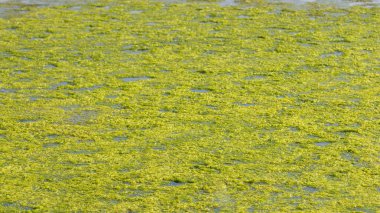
146	107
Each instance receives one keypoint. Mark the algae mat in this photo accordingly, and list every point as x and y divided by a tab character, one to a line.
151	107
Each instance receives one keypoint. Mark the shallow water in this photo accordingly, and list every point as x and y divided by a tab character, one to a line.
13	7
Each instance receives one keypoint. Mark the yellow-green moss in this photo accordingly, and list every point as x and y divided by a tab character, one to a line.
231	109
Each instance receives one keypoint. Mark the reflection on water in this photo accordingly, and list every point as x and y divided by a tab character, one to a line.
45	2
322	144
200	90
132	79
310	189
339	3
221	2
14	7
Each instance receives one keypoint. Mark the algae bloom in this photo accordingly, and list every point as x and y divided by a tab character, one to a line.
149	106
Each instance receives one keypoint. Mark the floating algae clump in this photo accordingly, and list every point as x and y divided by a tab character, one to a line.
150	107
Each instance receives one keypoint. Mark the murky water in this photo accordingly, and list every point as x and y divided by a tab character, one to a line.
339	3
9	8
44	2
200	90
14	7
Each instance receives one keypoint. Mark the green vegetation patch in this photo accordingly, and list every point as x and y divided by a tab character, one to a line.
146	107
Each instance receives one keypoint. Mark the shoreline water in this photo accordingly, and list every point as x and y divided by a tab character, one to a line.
9	8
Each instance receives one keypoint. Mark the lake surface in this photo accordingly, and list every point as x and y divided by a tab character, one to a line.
14	7
140	106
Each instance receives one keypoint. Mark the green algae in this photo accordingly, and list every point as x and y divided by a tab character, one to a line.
147	107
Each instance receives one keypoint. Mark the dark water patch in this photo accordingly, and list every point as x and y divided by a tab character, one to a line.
8	204
227	3
90	88
120	138
339	39
234	162
304	44
295	201
159	148
333	177
110	202
355	160
349	156
134	12
70	107
60	84
18	72
347	132
343	77
135	52
259	183
27	120
335	53
311	136
52	136
74	164
151	24
5	54
243	17
308	68
34	98
209	52
217	209
323	143
244	104
169	110
51	145
200	90
175	183
124	170
364	209
50	66
117	106
255	77
356	100
17	205
294	174
80	164
294	129
251	210
354	125
24	80
133	79
208	123
81	152
335	14
3	90
212	107
75	8
112	96
310	189
132	50
331	124
83	117
201	71
86	141
139	193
